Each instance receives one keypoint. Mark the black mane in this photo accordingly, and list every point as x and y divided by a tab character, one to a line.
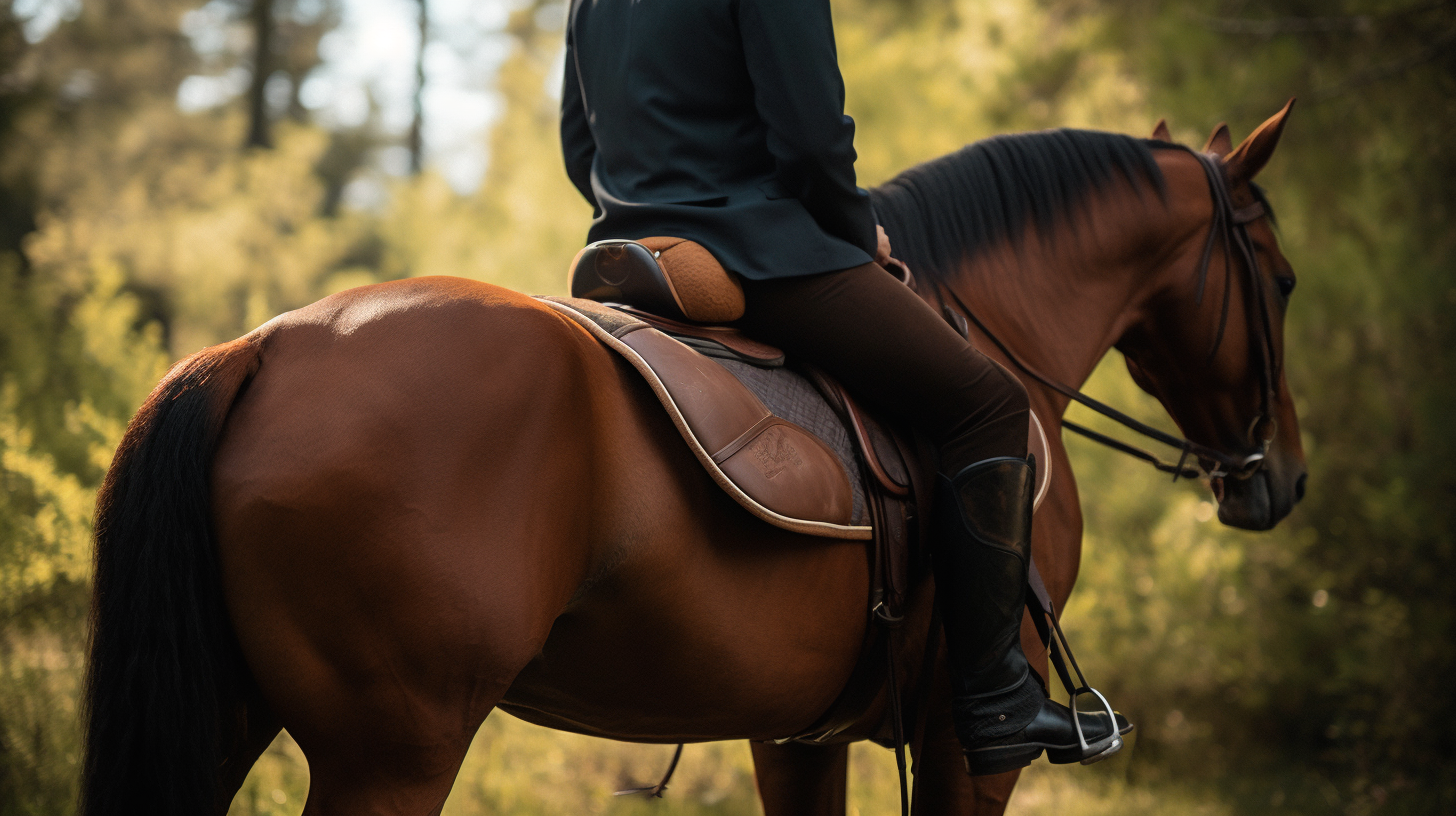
947	209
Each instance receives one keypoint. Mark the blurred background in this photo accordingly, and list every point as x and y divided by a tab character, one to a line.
173	173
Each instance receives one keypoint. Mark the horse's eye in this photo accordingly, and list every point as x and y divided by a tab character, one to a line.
1286	285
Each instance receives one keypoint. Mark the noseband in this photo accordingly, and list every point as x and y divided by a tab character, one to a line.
1230	228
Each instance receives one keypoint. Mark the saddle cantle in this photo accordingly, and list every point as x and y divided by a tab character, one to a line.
672	277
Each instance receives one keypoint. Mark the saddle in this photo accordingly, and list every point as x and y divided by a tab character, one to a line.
782	439
763	430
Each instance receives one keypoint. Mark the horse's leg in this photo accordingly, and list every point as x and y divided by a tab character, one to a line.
259	727
797	779
942	785
385	708
384	675
377	773
385	694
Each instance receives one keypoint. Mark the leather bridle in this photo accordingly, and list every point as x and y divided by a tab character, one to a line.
1230	228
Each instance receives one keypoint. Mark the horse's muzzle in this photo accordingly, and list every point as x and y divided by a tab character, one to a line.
1260	501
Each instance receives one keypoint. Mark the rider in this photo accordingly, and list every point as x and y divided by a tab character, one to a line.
722	121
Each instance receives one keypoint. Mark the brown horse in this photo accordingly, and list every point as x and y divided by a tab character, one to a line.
375	519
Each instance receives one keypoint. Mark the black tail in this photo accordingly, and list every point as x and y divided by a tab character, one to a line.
164	661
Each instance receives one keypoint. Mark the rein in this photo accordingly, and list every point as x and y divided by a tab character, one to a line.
1230	227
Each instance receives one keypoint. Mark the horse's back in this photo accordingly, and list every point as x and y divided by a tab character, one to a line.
372	510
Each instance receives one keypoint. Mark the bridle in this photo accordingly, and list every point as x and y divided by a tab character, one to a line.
1230	228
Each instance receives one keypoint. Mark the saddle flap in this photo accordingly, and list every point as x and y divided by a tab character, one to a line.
777	463
881	455
673	277
774	468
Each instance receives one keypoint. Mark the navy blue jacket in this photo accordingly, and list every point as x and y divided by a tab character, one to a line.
720	121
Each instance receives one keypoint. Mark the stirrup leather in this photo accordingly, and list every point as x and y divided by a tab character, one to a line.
1050	631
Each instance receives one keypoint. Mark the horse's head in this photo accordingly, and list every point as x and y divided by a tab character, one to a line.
1211	347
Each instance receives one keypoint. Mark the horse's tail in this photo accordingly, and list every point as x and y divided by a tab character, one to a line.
161	688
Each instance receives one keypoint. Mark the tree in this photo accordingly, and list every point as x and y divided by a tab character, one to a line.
417	122
261	18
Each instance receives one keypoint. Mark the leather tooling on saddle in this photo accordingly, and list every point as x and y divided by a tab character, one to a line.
772	466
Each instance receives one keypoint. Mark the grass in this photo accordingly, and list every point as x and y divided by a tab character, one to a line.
518	769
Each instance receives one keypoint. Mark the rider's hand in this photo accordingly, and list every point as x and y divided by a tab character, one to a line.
882	250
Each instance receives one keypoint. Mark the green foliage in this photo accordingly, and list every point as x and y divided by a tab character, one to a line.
922	84
74	364
524	225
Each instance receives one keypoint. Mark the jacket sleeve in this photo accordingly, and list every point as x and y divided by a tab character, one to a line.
799	93
577	145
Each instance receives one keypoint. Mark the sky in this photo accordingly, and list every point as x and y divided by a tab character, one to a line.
373	51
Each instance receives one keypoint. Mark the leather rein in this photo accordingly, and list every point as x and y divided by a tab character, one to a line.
1230	228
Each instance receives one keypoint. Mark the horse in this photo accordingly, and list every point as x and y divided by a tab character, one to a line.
376	519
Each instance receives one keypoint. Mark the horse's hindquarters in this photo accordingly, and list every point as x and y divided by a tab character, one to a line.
401	513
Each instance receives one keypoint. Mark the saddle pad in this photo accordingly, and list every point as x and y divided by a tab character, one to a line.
770	465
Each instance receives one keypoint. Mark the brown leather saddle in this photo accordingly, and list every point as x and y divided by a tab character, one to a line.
783	440
801	472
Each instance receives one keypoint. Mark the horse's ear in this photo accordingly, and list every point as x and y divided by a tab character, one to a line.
1220	143
1160	131
1253	153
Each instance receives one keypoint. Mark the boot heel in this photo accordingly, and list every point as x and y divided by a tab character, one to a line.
1000	759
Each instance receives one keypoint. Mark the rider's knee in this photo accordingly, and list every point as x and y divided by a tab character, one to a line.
1008	390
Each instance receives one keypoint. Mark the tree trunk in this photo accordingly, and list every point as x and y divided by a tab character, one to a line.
417	126
259	132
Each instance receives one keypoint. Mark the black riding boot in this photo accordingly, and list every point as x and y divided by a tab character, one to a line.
982	552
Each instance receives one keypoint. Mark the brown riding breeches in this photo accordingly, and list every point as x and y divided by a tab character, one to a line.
896	355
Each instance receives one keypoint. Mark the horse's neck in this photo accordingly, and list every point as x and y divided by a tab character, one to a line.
1054	315
1060	305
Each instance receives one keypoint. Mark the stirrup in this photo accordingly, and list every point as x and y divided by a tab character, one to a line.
1103	748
